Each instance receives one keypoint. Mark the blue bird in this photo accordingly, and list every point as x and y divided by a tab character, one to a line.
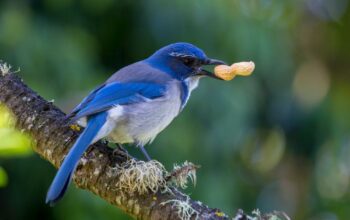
134	104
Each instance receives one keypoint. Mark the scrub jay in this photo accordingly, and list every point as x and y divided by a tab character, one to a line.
134	104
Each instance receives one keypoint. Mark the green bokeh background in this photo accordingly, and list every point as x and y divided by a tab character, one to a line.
278	140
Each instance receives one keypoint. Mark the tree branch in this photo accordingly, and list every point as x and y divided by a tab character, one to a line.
99	169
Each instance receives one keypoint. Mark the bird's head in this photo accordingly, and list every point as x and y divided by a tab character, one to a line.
183	60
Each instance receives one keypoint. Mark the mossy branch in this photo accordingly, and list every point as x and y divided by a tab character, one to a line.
142	189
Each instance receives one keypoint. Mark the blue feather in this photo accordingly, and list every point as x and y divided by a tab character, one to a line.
116	93
86	100
63	176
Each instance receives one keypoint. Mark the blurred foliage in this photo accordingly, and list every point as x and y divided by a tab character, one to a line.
13	143
278	140
3	177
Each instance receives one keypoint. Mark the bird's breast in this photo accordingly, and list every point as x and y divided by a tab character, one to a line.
142	121
188	86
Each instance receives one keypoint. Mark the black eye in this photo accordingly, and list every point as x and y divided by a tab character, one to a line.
188	61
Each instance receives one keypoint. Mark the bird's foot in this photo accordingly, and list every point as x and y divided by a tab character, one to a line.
121	153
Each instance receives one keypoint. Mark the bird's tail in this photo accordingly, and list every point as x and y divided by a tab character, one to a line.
63	176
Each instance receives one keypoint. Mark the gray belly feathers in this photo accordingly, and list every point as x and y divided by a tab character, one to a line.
141	122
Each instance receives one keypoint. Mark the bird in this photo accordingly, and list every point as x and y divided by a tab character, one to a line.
135	104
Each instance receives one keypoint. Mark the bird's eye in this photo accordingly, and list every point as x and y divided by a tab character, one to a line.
188	61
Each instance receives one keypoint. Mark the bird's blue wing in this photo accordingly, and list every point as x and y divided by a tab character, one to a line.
112	94
85	101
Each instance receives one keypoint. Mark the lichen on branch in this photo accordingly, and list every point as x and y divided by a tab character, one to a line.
6	68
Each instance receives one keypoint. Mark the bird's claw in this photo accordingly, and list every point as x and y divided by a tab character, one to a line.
121	153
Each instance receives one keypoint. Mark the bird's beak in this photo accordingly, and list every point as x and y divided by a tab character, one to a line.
208	61
213	62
